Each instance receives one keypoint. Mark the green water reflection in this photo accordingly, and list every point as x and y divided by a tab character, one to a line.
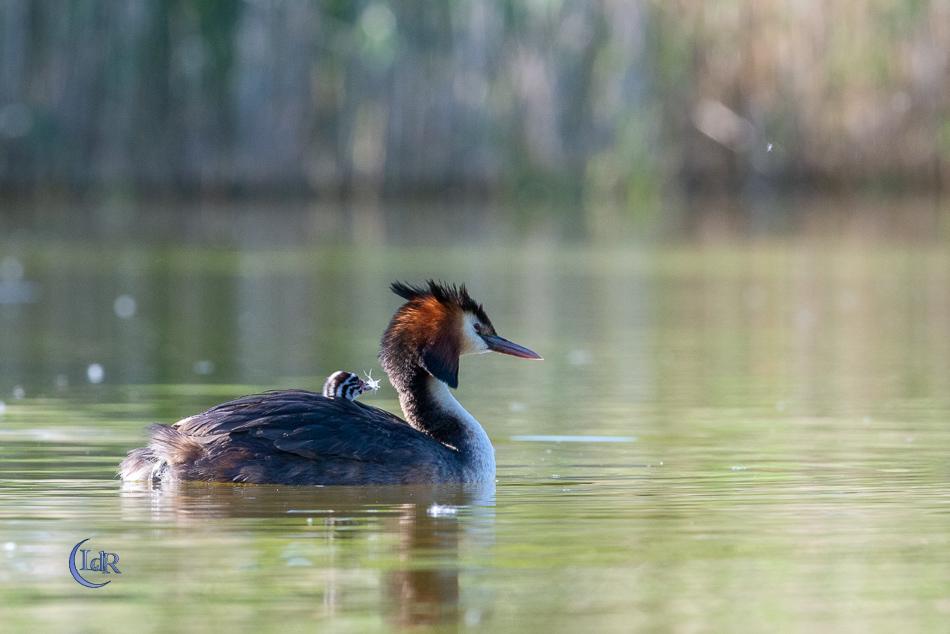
779	407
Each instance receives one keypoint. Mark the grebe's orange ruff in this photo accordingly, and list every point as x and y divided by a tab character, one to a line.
301	437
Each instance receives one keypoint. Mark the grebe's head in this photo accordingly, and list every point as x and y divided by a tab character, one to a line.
437	325
346	385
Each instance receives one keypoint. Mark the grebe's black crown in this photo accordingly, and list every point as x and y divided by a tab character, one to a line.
447	294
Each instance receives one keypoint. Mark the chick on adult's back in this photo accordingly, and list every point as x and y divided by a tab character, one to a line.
301	437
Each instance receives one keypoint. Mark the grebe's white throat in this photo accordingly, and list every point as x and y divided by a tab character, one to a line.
475	447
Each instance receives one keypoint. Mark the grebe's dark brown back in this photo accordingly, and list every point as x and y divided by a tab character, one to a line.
301	437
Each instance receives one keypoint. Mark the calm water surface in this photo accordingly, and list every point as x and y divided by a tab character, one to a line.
726	435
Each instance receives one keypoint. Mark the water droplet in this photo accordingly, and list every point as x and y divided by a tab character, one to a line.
124	306
768	148
3	408
473	617
11	269
378	22
579	357
95	373
203	367
61	381
738	467
9	546
19	392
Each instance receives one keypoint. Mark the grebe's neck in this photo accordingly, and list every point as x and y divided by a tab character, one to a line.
430	407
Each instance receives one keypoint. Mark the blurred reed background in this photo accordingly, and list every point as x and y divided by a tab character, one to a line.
620	101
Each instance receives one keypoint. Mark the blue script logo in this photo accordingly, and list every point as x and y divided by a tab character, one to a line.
100	562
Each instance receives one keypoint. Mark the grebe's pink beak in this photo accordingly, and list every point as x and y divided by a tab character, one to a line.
502	345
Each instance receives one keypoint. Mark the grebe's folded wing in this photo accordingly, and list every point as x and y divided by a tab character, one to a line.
373	440
311	426
256	410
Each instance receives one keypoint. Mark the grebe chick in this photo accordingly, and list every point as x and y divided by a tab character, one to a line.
301	437
342	384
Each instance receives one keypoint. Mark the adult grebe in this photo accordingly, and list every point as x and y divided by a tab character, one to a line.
300	437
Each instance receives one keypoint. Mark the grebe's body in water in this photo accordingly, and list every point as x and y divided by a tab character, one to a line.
301	437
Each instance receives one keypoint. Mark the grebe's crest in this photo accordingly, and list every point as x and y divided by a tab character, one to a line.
346	385
449	295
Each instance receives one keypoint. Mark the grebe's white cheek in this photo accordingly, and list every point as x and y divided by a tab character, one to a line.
472	343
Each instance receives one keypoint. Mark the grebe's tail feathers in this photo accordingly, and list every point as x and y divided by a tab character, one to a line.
167	447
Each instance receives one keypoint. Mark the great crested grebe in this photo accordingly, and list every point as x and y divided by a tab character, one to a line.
342	384
300	437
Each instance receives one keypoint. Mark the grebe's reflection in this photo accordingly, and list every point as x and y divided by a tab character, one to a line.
422	528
